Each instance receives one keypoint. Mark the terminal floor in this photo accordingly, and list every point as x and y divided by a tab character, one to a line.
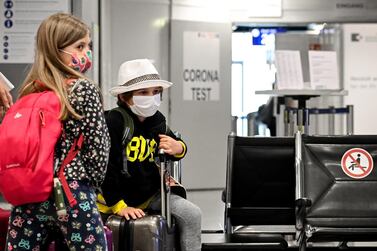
217	242
213	222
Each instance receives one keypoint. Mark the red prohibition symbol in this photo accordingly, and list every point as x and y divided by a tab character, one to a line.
357	163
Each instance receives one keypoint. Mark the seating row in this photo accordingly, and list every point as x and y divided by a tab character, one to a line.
316	188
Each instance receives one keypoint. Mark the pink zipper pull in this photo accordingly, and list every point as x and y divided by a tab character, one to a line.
42	117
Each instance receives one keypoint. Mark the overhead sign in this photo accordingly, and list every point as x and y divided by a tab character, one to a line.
19	21
357	163
201	66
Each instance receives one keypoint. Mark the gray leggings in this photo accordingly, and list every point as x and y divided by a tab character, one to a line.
188	217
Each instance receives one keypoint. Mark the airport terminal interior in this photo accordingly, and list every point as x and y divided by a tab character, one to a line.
274	99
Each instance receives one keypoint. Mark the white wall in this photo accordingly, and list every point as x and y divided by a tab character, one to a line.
133	29
360	74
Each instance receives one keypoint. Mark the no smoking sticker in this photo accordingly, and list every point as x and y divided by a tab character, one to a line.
357	163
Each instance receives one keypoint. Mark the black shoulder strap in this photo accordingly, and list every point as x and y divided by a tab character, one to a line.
128	129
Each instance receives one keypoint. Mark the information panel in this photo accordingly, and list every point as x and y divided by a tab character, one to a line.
19	21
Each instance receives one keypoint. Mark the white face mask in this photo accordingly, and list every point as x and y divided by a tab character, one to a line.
145	106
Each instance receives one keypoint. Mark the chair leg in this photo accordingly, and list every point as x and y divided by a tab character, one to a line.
302	246
302	241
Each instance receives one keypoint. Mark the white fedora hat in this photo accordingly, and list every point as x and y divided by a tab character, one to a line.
137	74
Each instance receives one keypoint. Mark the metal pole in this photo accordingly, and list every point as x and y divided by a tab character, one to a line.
176	166
168	213
300	120
332	120
286	122
227	224
165	189
349	118
177	171
315	120
279	123
306	121
251	124
162	171
234	124
298	165
291	123
162	185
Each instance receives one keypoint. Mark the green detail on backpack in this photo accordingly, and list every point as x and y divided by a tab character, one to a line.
128	128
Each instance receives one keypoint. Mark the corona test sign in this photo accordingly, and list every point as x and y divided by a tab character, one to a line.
201	64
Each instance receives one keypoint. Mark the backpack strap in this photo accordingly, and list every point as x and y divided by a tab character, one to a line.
128	131
128	128
73	151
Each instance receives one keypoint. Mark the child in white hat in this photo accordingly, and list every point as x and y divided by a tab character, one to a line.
139	92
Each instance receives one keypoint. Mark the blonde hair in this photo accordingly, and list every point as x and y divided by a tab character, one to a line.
48	71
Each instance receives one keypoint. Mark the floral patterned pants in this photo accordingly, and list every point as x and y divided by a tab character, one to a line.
30	225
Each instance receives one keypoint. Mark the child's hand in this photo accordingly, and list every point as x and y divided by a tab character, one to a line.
131	212
5	97
170	145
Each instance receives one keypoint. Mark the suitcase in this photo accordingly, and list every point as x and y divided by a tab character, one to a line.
4	218
151	232
109	238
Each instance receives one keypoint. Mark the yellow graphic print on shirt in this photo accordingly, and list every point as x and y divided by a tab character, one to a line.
140	149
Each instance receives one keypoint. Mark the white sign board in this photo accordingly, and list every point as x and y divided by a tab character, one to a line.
201	66
255	8
323	67
360	74
265	8
288	70
19	21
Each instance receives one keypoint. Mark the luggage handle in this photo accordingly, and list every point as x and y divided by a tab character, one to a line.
165	188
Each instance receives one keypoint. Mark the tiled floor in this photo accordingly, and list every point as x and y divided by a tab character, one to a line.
212	208
213	220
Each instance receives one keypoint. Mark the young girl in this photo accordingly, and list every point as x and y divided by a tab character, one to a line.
139	93
62	55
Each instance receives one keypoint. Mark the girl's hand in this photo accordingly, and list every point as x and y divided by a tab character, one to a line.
170	145
131	212
5	97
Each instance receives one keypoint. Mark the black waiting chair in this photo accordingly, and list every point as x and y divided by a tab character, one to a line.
336	189
260	189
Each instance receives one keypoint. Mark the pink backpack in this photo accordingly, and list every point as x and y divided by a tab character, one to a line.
28	134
